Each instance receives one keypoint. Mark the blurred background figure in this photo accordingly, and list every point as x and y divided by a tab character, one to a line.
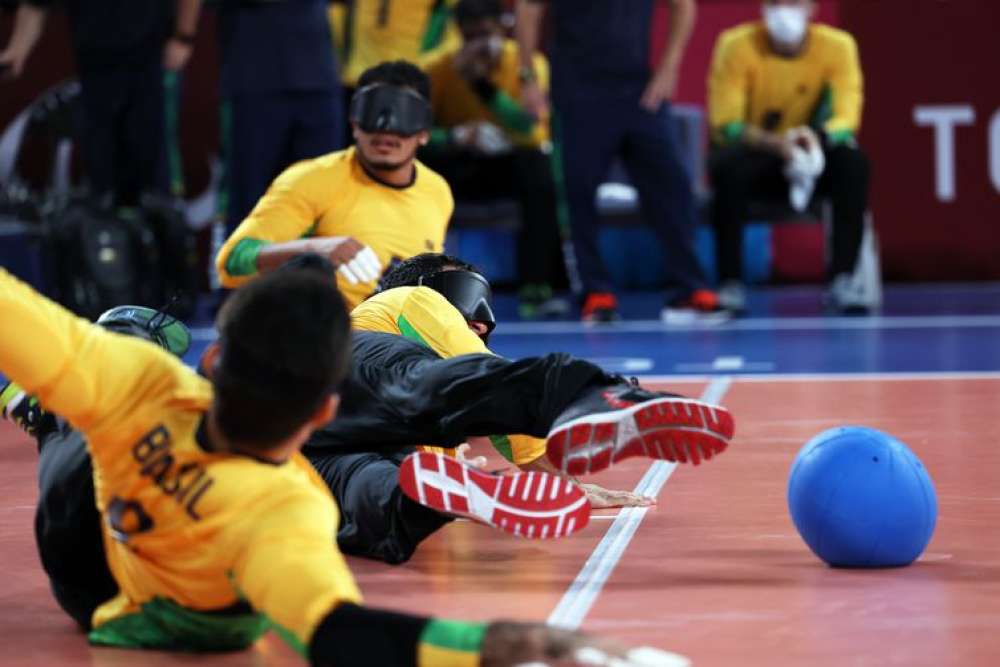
609	101
369	32
281	93
784	103
121	48
487	146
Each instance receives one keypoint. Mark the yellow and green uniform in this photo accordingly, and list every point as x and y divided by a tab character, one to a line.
377	31
209	549
425	316
749	84
333	195
454	101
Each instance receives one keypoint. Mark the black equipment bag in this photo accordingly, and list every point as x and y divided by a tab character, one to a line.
101	259
178	252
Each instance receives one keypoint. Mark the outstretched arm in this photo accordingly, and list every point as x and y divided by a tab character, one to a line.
290	570
90	376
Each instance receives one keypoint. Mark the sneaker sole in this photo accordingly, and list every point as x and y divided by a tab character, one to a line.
682	430
527	504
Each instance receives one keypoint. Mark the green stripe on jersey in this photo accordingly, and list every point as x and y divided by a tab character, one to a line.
409	331
454	635
501	443
164	624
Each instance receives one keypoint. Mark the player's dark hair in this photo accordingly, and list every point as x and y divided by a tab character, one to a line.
409	272
467	11
285	347
397	73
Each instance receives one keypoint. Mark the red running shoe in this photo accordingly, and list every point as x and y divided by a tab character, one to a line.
600	307
616	422
528	504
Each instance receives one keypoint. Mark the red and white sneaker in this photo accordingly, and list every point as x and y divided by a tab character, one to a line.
609	424
527	504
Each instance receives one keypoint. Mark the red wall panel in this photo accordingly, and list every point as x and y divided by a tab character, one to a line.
932	54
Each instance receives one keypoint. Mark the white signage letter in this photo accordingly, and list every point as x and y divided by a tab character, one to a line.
944	118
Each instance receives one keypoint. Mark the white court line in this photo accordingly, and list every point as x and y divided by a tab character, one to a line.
757	324
830	377
747	324
582	593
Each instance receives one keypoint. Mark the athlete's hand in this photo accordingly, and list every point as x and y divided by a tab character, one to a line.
176	55
482	137
474	60
476	462
660	89
508	644
601	498
11	63
355	262
534	100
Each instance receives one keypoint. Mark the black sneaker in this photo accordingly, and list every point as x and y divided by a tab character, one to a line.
612	423
24	410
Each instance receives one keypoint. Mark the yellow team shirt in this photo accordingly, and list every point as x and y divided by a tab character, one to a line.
377	31
454	102
333	195
189	534
748	84
425	316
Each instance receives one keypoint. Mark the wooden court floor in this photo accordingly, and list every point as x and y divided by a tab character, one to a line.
715	572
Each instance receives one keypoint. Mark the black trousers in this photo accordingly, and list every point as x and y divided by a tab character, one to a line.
377	520
124	128
742	175
593	126
525	174
68	525
400	393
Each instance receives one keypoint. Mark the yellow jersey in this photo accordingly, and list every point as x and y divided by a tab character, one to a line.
749	84
209	549
454	102
333	195
377	31
425	316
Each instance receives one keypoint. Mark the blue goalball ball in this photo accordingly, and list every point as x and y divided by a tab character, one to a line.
861	498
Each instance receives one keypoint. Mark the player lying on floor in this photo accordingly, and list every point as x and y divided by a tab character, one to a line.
440	302
377	519
216	528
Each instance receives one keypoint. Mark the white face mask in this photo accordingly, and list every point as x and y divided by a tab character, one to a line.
786	25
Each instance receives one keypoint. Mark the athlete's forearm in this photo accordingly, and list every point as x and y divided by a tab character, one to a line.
682	18
528	31
356	635
28	24
273	255
63	359
187	17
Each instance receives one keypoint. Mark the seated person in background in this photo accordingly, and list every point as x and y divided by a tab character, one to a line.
362	207
487	146
440	302
375	31
783	94
215	527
